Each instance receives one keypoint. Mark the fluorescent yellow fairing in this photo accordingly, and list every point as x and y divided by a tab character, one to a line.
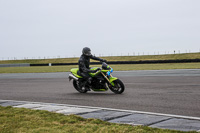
74	72
94	74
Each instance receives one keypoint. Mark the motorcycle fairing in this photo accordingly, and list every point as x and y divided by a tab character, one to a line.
74	72
94	74
111	79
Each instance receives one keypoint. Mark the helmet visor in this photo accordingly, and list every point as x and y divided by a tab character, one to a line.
88	53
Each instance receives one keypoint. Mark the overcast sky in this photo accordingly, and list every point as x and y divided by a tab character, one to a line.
49	28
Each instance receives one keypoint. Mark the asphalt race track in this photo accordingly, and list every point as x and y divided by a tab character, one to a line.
161	91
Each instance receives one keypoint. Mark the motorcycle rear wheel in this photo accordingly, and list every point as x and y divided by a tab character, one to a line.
118	88
77	87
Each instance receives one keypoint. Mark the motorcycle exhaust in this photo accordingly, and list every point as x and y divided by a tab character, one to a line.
71	76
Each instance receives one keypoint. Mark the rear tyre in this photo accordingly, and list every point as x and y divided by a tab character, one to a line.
118	88
78	88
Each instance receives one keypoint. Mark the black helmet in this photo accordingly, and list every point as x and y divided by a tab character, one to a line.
86	51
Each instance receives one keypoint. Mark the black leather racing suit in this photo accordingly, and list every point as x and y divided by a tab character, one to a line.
84	63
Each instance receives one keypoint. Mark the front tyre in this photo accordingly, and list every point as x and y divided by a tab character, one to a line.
77	87
118	88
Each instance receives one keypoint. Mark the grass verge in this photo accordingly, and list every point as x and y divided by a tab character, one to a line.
110	58
125	67
32	121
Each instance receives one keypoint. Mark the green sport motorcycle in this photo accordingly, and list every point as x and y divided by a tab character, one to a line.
102	80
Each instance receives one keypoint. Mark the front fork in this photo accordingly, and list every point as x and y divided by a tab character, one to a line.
110	80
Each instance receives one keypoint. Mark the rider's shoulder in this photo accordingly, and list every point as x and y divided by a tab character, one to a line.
82	58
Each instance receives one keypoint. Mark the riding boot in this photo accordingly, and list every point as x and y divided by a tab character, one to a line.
89	80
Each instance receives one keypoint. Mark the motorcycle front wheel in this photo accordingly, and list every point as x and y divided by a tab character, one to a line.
118	88
77	87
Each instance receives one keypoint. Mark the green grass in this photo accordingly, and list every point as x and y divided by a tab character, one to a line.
125	67
111	58
162	66
37	69
36	121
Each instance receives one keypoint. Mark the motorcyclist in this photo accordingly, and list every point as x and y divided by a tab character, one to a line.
84	62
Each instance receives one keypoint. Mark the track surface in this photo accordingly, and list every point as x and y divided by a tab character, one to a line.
163	91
